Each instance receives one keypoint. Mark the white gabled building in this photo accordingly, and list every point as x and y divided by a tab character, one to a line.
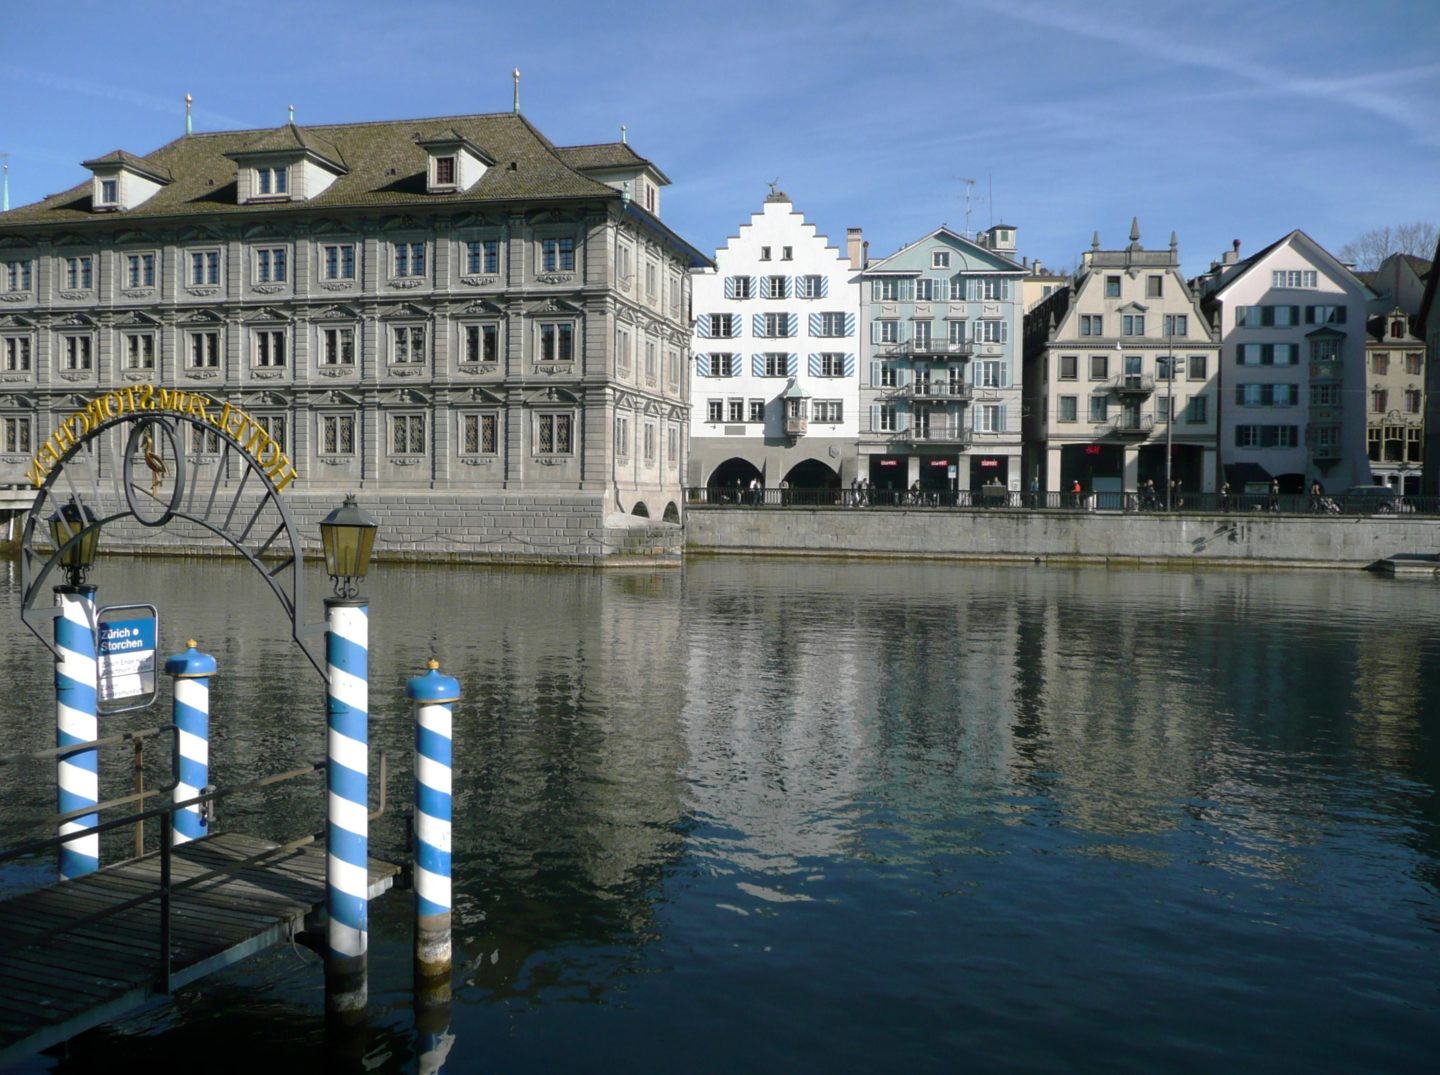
775	382
1291	321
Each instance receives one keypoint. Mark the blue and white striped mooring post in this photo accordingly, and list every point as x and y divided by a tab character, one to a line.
434	696
347	830
191	707
76	775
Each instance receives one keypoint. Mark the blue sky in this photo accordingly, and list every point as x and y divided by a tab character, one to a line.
1217	120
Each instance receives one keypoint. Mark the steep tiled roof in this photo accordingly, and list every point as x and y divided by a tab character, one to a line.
605	155
386	168
129	160
291	139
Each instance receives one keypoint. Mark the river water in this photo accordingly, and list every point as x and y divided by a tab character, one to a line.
836	817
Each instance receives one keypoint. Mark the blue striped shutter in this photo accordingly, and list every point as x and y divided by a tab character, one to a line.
814	365
758	324
702	326
757	365
792	365
764	287
793	326
824	287
702	365
814	324
729	287
848	365
849	324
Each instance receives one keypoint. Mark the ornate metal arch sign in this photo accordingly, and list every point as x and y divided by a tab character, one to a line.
157	456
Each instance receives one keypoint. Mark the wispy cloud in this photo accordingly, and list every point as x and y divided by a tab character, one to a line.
1367	92
109	91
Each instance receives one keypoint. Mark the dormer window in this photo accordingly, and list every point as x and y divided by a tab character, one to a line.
453	162
271	181
286	164
122	181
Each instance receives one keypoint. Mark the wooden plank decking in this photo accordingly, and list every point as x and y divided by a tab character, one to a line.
54	984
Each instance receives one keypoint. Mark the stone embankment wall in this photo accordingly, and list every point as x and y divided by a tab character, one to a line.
443	528
1234	539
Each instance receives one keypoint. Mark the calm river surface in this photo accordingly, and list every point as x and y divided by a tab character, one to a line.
845	817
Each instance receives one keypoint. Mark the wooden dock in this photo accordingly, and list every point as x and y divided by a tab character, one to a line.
56	982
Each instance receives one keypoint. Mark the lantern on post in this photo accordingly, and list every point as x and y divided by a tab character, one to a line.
347	535
76	539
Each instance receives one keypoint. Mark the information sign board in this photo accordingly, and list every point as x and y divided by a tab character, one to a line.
126	654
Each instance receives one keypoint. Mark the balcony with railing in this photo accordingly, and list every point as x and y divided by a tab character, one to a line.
937	349
948	433
1133	384
945	391
1130	425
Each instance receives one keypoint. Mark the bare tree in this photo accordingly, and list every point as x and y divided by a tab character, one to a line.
1367	251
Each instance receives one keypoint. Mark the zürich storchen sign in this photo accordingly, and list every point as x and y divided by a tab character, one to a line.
138	401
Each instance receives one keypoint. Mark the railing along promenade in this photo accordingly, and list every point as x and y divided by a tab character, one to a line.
1129	503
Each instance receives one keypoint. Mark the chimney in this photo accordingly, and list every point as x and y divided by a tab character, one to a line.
853	244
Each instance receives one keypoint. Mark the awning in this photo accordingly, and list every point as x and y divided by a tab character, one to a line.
1241	474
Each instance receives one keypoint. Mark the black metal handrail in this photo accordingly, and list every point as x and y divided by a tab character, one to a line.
1294	504
167	887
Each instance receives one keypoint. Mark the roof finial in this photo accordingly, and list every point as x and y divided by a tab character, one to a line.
774	183
292	115
189	125
1174	242
516	74
5	184
1095	240
1134	229
623	130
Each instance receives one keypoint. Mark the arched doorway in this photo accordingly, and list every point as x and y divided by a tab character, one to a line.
730	479
640	509
672	512
811	482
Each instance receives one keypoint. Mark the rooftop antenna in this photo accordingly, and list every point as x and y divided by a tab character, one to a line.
623	129
189	124
5	185
516	75
990	178
969	188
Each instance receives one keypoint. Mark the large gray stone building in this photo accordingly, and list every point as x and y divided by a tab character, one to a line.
432	313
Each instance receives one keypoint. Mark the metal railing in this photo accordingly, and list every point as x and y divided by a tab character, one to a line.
1133	383
166	887
937	348
952	391
1122	502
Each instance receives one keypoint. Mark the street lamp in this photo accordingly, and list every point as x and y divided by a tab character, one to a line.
347	535
1171	367
73	526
